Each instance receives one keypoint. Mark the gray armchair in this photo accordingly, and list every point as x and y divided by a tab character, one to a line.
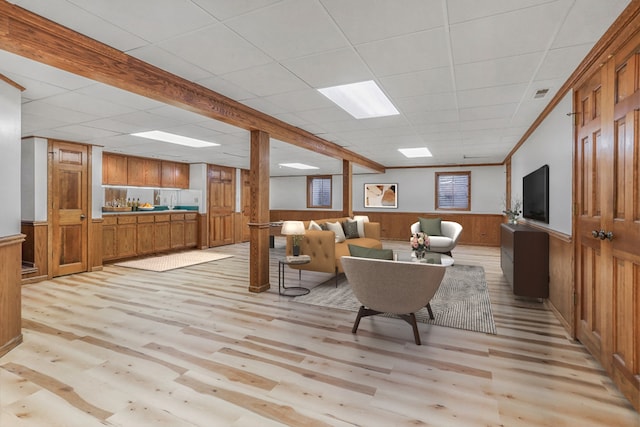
395	287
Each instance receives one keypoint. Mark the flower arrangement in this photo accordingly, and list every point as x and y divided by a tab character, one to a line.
420	244
514	211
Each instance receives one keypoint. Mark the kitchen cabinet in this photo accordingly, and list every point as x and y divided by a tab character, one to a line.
135	234
143	172
177	231
190	230
174	175
145	232
162	233
114	169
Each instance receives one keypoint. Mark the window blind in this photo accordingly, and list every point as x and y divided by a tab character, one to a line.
321	192
453	191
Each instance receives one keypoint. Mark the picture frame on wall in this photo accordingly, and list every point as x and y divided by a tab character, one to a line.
381	195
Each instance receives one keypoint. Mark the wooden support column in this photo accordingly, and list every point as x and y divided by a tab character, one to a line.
259	216
347	188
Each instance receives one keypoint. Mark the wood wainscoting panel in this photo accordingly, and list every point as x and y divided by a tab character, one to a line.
35	250
95	245
561	283
478	229
10	292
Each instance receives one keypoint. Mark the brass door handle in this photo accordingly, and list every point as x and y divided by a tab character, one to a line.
602	235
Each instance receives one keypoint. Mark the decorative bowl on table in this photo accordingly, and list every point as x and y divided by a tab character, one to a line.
146	208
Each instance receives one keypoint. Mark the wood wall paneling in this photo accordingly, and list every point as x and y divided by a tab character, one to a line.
35	250
10	292
478	229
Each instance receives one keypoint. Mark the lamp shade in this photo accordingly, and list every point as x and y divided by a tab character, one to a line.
292	228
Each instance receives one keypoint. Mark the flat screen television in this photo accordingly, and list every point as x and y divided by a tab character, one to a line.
535	195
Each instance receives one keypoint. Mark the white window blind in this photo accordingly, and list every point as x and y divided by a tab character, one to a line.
453	191
320	192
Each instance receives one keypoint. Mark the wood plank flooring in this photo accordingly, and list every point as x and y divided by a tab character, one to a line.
192	347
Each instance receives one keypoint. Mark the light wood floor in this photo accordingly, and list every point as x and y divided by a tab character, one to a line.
192	347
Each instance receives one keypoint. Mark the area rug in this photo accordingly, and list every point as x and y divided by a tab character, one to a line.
173	261
461	302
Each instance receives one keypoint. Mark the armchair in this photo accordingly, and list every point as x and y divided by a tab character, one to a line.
395	287
450	233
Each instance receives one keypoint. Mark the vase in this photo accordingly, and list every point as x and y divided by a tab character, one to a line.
420	253
513	219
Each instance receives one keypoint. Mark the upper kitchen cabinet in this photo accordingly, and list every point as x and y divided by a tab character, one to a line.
118	169
114	169
175	175
143	172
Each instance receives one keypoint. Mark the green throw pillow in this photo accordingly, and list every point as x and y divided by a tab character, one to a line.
362	252
431	226
350	230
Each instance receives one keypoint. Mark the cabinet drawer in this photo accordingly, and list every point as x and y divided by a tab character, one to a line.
162	218
144	219
128	219
109	220
190	216
177	217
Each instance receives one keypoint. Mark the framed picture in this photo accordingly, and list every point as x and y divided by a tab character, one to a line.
381	195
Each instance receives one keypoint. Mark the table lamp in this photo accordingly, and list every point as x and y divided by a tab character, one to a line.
295	229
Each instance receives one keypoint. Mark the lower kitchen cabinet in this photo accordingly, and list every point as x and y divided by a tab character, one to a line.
131	235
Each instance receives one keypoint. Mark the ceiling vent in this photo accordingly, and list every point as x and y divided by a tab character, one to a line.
540	93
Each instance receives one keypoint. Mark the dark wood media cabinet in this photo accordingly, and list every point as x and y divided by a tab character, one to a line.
524	258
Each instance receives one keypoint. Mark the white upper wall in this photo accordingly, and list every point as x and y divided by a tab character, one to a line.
34	179
415	187
10	147
551	144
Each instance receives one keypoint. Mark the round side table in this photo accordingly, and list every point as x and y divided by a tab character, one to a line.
291	291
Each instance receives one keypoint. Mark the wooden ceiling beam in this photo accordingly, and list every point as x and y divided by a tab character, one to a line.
32	36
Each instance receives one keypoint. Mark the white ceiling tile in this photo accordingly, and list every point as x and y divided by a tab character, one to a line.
502	111
119	96
87	104
491	96
162	20
437	80
360	19
266	80
466	10
514	33
559	63
502	71
434	102
88	133
216	49
331	68
413	52
290	29
56	112
300	100
576	29
78	19
225	9
226	88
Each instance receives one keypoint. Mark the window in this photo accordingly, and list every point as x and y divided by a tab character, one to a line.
319	191
453	190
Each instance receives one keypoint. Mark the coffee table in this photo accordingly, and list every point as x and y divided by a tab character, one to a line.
407	256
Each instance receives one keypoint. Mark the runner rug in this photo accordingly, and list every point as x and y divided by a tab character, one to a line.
462	301
173	261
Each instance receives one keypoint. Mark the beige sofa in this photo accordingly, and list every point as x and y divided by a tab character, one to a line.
325	253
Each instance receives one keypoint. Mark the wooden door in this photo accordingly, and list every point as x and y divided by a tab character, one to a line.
68	207
246	205
222	198
608	221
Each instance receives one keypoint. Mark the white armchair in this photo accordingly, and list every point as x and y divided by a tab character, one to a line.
395	287
445	243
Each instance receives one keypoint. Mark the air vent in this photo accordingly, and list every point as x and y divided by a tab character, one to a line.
540	93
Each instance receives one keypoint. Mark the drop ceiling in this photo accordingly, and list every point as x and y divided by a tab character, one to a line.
462	73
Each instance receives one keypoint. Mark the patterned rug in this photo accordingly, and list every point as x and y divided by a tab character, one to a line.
173	261
462	301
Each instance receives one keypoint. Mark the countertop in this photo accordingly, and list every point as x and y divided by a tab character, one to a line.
161	211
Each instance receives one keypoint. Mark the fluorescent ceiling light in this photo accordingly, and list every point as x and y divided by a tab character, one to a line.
415	152
175	139
362	100
297	166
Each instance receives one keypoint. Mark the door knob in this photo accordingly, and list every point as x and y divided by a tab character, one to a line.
595	233
82	216
608	235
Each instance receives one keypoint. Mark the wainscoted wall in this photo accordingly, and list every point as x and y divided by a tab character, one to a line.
10	292
94	262
561	282
35	250
478	229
